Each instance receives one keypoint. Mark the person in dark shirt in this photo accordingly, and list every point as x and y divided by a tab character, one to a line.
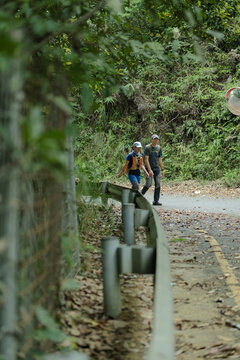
154	165
133	165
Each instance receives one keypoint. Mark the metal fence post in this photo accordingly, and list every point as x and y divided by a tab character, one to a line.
128	211
125	196
132	196
141	217
10	139
111	282
104	196
125	259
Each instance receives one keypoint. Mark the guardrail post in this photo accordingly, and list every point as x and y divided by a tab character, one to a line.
141	217
111	282
132	196
125	259
128	211
125	196
143	259
104	196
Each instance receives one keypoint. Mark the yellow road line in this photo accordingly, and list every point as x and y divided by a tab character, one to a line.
231	279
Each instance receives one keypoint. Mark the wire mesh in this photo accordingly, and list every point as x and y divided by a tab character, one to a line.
35	210
40	256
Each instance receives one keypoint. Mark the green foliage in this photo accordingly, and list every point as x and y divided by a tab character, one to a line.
44	148
70	245
177	240
114	57
232	178
184	102
89	214
236	93
100	154
50	330
69	284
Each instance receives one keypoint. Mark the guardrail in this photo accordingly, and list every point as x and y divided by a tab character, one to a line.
72	355
131	258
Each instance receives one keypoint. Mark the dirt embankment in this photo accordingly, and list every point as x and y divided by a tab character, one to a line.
213	189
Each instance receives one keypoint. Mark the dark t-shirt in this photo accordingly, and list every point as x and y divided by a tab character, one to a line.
154	154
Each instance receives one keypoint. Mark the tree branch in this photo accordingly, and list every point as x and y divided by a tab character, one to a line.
88	15
69	28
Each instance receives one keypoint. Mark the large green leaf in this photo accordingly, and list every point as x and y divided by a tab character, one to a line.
50	329
115	5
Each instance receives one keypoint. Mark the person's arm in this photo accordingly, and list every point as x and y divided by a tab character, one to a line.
145	170
148	165
161	166
125	167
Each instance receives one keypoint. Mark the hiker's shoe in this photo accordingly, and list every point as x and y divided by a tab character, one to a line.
157	203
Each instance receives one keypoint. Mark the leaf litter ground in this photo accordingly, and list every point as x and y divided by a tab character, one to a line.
82	318
207	321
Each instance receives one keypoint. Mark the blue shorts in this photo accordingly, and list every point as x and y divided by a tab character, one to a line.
135	178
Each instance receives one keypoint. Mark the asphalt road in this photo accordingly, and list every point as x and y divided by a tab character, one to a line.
198	203
203	235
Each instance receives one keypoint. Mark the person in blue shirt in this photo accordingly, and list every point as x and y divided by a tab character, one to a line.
133	165
153	162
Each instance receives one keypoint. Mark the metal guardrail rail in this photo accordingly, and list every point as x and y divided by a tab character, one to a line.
72	355
150	259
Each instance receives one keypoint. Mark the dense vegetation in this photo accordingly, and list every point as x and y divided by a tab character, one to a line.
127	69
171	74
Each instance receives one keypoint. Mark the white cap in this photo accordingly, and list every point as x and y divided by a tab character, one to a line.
155	136
137	144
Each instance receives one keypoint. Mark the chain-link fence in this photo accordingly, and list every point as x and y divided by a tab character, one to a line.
36	209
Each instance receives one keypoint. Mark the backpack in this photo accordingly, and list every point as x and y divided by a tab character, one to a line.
134	163
150	149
